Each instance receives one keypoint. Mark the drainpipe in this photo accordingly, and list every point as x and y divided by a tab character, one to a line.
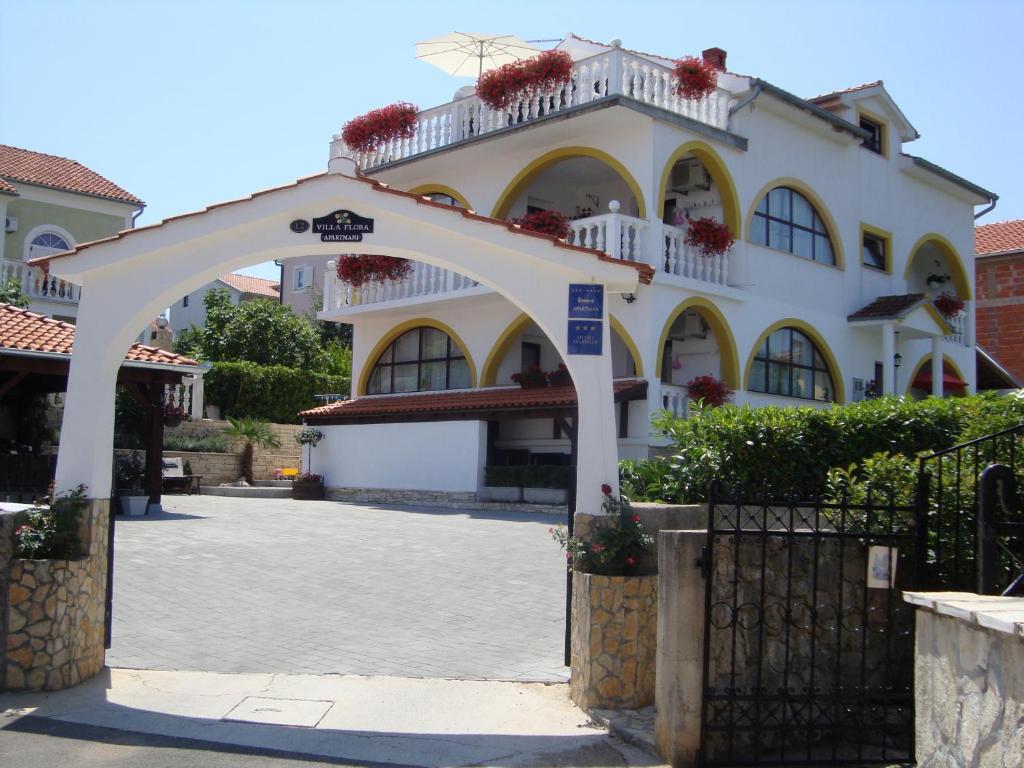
987	210
136	215
758	87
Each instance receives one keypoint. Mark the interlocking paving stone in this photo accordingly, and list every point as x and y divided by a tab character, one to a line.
271	585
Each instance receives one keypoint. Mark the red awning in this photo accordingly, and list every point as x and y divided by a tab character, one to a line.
923	380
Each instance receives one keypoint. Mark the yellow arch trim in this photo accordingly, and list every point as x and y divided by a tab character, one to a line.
518	184
723	335
634	351
804	189
926	360
819	342
398	330
719	172
426	189
960	280
501	348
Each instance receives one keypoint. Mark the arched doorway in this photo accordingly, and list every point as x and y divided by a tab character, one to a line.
935	267
696	182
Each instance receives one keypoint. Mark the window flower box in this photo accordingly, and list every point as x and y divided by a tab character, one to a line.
378	126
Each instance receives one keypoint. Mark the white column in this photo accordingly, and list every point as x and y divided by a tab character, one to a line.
937	388
888	363
196	401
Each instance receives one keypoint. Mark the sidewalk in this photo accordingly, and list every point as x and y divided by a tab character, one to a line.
390	720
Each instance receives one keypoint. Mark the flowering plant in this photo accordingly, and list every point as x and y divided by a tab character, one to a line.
309	436
358	270
131	472
619	541
559	377
52	532
532	378
948	304
174	414
499	87
307	477
710	390
709	236
369	131
694	78
545	222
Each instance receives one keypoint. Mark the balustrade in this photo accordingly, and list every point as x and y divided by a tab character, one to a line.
686	261
959	334
36	284
611	73
423	280
675	400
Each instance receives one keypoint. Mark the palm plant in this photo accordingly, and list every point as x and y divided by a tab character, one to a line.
256	433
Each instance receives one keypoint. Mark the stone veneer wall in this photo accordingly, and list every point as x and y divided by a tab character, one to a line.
614	636
969	680
55	613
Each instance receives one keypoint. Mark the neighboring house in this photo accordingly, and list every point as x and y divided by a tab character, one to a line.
999	284
302	282
843	240
49	204
190	309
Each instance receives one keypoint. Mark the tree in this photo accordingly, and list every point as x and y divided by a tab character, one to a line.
259	331
255	433
11	293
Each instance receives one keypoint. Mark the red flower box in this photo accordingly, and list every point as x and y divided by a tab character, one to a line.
395	121
694	78
709	236
532	378
499	88
559	377
358	270
948	305
714	392
546	222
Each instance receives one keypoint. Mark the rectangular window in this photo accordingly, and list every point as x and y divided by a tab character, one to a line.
303	278
530	355
184	302
874	141
873	252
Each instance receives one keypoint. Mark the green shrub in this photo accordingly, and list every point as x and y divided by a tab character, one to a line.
270	392
214	443
527	476
791	450
52	533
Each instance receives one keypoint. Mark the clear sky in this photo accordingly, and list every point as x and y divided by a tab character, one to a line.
188	103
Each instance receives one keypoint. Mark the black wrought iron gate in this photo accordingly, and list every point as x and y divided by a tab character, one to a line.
808	644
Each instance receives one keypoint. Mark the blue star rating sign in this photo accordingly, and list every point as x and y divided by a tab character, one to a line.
586	324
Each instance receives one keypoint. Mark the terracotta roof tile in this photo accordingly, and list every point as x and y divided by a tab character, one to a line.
256	285
646	271
59	173
999	237
7	188
888	307
485	399
29	332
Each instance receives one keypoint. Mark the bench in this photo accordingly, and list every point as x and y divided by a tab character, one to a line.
174	477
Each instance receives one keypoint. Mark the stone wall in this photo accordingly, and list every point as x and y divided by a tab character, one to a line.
614	637
401	496
969	680
55	613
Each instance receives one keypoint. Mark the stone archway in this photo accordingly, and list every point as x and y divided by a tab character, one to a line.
131	277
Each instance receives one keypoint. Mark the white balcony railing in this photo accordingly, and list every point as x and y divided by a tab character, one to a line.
617	235
686	261
424	280
675	400
36	284
613	73
959	334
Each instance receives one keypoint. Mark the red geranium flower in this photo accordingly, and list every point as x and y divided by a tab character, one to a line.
636	518
709	236
606	489
377	126
694	78
630	561
22	529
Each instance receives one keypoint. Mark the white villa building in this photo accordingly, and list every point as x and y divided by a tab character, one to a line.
842	240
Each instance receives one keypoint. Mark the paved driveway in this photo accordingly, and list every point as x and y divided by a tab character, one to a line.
252	585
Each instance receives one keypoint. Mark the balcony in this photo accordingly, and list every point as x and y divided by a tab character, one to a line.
423	282
39	286
959	334
614	73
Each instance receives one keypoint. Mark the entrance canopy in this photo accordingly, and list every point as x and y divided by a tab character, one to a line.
129	278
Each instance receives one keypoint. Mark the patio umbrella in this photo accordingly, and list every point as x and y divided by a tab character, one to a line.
468	54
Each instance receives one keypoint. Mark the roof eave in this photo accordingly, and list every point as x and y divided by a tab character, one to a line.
812	109
960	181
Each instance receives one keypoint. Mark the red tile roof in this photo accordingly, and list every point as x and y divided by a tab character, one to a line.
59	173
999	237
888	307
256	285
851	89
485	399
29	332
646	271
7	188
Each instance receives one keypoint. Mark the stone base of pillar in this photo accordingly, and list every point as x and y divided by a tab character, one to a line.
56	612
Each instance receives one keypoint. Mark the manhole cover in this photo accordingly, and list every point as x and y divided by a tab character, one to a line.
299	712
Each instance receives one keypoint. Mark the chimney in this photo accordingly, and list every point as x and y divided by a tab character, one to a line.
715	57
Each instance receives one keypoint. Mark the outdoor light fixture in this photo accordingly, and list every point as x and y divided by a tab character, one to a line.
629	297
897	360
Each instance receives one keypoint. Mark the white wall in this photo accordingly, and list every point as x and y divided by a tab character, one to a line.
427	456
182	317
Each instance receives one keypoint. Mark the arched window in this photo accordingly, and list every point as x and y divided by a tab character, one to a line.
443	197
419	360
50	240
788	363
786	221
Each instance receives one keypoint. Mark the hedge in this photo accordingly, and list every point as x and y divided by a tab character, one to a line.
527	476
791	450
269	392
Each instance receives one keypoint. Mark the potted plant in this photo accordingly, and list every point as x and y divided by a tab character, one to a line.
359	269
614	610
710	236
174	414
309	436
559	377
532	378
949	306
546	222
711	391
378	126
694	78
255	433
131	474
308	487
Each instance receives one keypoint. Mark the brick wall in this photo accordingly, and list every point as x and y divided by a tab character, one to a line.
999	289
